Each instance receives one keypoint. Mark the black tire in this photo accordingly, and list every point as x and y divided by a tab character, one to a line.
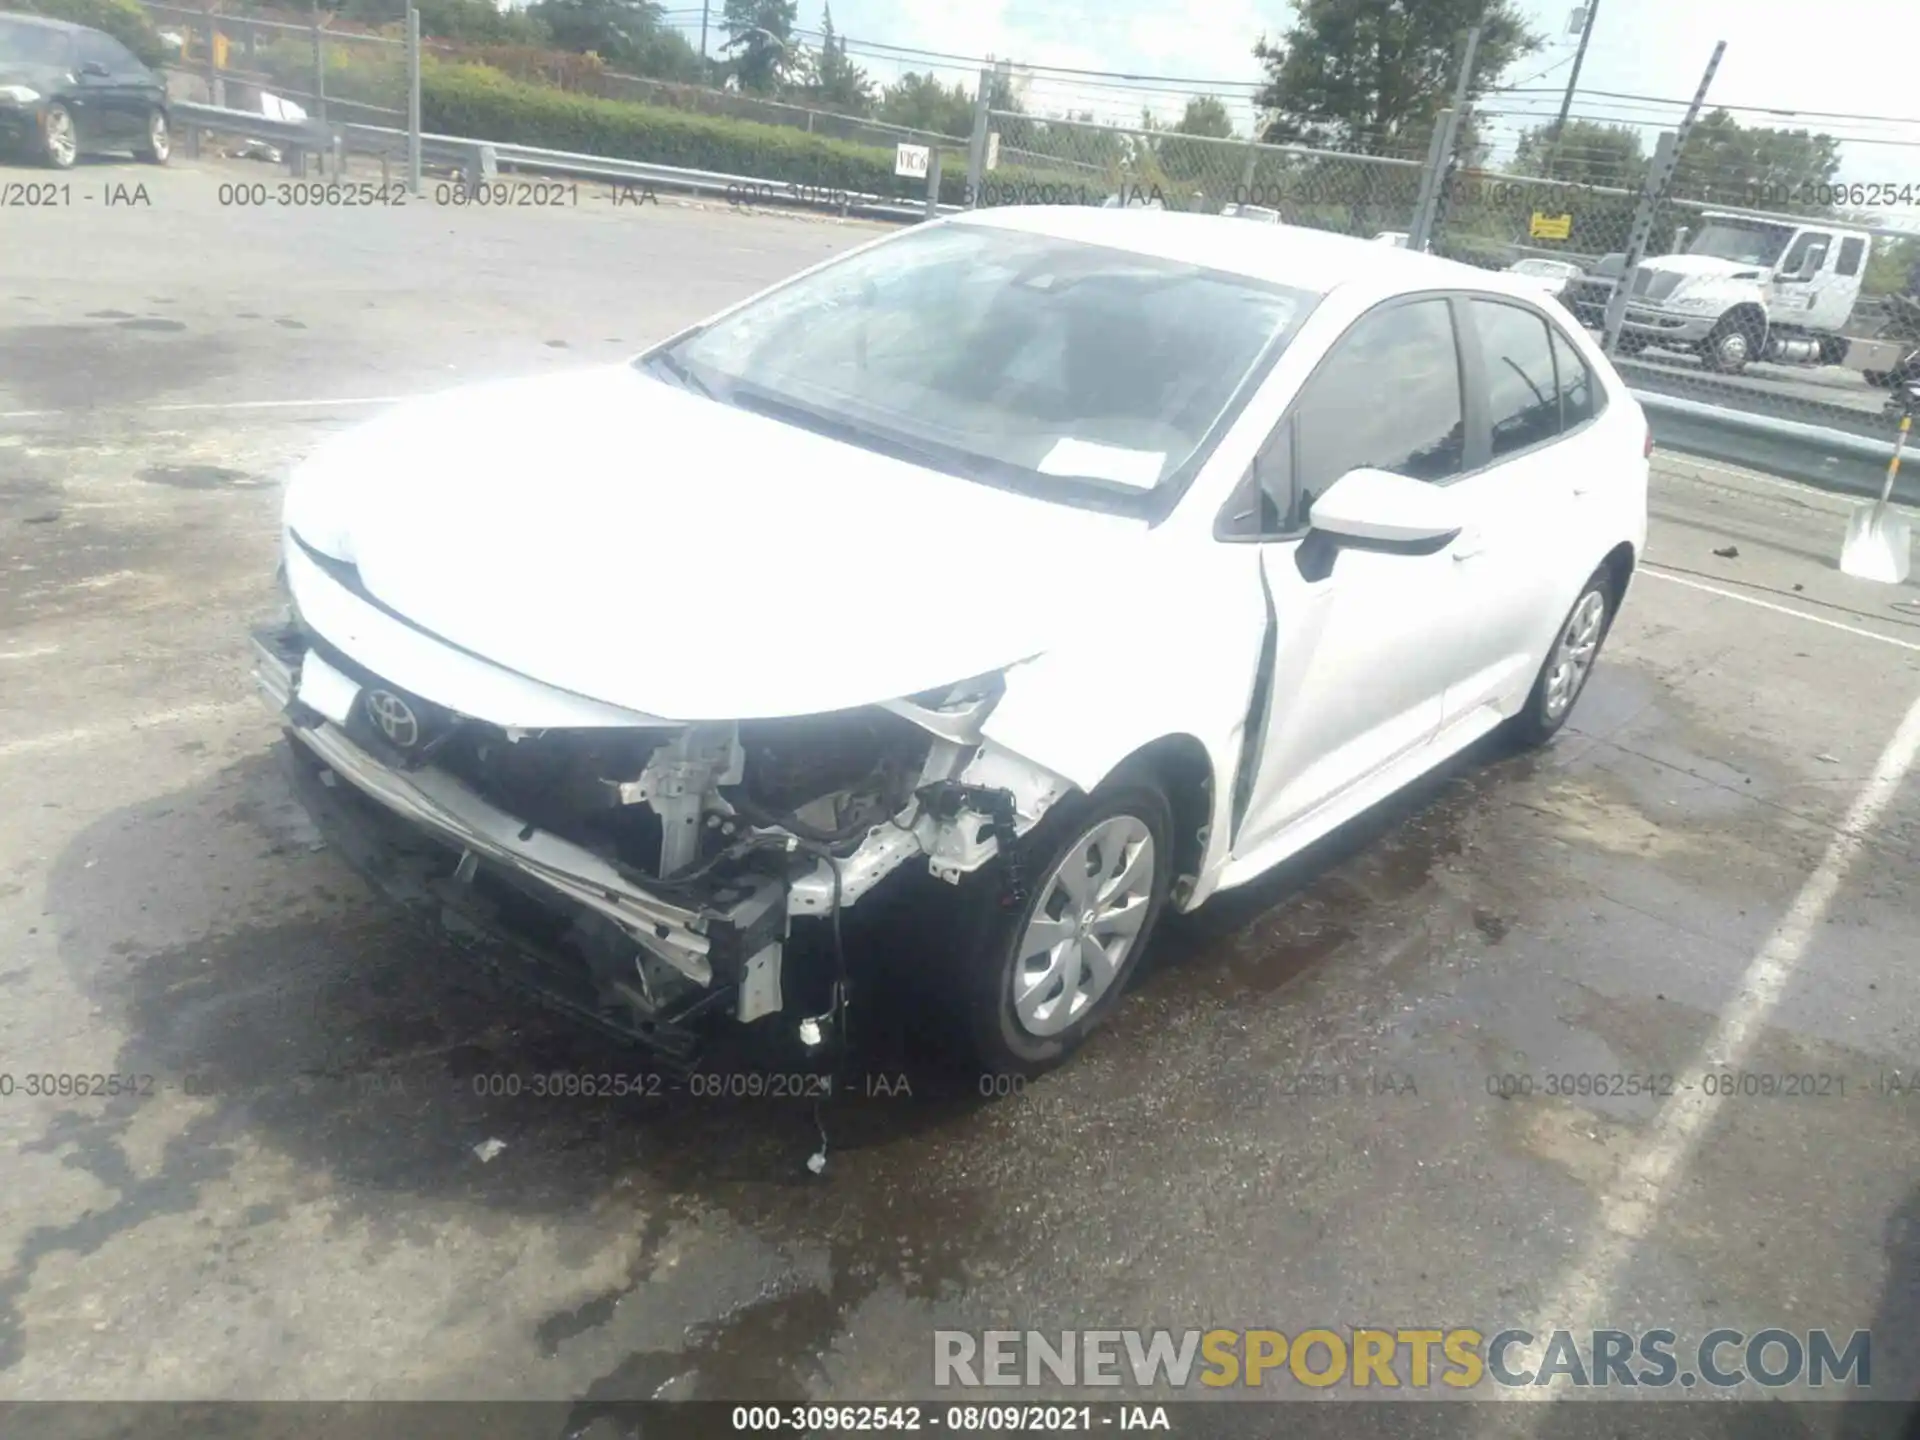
978	972
1720	352
159	147
1629	345
1538	721
53	120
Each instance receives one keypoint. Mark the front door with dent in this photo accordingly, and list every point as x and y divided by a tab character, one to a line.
1360	658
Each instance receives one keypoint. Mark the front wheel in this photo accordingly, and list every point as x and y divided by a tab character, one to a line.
1732	345
1567	667
59	141
159	142
1032	978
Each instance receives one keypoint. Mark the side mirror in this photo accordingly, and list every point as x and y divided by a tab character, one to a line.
94	69
1378	510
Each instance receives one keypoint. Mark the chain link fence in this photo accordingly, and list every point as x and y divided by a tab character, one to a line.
1756	290
1035	161
261	62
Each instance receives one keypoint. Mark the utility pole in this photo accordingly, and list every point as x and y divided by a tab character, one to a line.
1566	103
1666	159
705	5
413	99
1446	138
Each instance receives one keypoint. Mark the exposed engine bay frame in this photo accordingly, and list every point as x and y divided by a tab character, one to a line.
708	931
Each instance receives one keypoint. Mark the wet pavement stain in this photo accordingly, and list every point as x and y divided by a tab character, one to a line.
359	1050
59	367
286	322
199	477
554	1331
110	315
153	323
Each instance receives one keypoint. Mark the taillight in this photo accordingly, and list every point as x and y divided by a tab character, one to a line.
1646	451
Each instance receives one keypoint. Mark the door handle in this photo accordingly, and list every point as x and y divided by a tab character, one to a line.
1468	545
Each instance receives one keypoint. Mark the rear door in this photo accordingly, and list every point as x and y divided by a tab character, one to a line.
103	95
1511	562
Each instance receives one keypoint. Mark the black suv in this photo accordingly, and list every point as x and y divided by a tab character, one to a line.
66	91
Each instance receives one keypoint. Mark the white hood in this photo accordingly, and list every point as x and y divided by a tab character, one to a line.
628	541
1701	267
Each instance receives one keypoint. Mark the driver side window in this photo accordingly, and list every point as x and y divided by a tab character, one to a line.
1387	397
1803	247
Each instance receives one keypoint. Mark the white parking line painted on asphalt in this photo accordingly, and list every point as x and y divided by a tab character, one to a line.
94	734
30	653
1646	1175
1659	574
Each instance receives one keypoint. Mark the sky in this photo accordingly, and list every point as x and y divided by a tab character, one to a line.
1844	57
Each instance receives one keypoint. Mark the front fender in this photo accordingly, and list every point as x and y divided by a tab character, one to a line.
1167	656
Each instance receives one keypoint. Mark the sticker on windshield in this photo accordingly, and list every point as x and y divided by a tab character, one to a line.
1139	469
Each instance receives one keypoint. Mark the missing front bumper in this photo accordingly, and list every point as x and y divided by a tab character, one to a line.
438	847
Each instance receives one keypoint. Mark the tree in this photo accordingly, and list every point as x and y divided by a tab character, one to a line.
1588	153
760	39
836	81
1755	167
1891	264
1374	73
627	34
921	102
1206	115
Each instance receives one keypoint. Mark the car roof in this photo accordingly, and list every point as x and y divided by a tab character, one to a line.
1315	260
42	22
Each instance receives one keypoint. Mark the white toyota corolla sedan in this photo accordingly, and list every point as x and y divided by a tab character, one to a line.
1088	561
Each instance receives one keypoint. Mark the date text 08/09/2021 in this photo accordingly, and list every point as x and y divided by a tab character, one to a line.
955	1419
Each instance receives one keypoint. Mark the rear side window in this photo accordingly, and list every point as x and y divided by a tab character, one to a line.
1851	249
1523	398
108	52
1387	397
1580	397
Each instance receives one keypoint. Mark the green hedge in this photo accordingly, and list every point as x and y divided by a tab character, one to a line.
122	19
475	101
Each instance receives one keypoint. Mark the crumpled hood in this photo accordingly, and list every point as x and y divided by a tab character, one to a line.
615	536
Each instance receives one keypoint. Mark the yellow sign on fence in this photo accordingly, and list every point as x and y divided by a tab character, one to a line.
1550	227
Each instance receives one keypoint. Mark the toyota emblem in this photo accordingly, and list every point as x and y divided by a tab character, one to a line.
394	717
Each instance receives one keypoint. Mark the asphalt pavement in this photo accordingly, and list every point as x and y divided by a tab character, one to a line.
1299	1119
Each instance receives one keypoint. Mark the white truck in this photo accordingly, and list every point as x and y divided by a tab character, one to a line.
1748	288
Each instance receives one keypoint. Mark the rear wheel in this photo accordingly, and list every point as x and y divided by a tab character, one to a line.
1568	665
1032	978
159	143
59	141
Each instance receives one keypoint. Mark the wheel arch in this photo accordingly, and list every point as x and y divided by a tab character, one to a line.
1619	563
1185	770
1748	313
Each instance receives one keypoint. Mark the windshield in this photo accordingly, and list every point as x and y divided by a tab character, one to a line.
1065	370
32	44
1746	244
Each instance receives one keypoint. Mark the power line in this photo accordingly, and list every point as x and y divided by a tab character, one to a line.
1746	109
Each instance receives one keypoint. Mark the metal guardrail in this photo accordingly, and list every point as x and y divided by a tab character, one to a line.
1818	455
478	161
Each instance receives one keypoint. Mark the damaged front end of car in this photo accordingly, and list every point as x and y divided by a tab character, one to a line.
648	879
